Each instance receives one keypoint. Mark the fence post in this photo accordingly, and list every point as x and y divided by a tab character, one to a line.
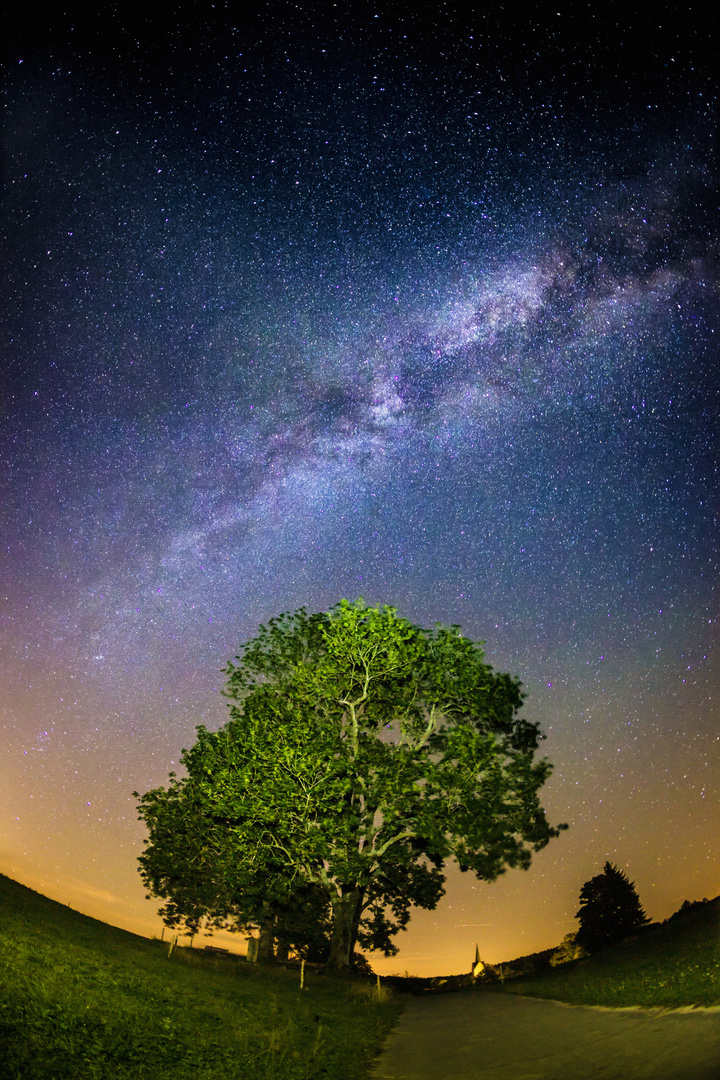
302	974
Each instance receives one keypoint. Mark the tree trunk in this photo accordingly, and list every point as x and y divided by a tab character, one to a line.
345	921
282	948
356	923
265	944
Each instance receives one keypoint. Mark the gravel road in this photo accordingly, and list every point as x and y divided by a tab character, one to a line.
478	1036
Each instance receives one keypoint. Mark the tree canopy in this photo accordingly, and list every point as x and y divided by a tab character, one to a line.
361	754
610	910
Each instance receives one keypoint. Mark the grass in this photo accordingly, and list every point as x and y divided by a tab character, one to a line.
674	964
81	1000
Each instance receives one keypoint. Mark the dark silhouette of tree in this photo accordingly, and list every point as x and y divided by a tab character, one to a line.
610	910
361	754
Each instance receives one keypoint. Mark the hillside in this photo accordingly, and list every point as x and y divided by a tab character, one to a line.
670	964
81	999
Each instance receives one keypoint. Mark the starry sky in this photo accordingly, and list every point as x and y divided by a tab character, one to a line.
323	301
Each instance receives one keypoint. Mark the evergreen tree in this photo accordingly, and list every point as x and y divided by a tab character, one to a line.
610	910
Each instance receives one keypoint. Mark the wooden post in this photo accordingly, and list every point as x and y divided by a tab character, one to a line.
173	943
302	974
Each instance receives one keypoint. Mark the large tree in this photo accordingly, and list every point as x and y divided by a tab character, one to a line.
610	909
362	753
198	864
192	861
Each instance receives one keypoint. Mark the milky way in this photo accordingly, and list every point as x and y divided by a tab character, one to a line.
374	307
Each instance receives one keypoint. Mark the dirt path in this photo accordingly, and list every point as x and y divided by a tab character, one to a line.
478	1036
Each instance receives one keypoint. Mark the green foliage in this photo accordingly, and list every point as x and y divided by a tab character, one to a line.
568	949
673	965
362	752
80	1000
610	910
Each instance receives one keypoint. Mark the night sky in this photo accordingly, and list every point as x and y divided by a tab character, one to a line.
330	301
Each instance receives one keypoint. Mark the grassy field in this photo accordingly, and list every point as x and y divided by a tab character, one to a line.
80	1000
673	964
83	1000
